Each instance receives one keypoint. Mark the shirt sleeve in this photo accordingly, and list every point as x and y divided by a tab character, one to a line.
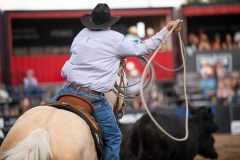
138	47
63	71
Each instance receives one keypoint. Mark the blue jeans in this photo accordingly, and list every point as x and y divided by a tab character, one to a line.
102	111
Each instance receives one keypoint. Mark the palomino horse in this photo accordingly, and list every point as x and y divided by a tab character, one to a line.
45	133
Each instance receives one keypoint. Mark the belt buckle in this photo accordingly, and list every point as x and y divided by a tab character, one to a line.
85	89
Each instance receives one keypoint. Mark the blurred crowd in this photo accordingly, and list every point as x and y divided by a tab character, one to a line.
16	100
219	85
201	42
133	33
152	97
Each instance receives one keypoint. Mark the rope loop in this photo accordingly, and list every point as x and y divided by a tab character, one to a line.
161	46
146	84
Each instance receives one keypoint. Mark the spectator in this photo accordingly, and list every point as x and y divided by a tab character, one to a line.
236	87
229	87
217	42
204	42
136	104
235	76
154	99
25	105
221	93
134	85
14	111
30	83
237	39
227	44
43	102
225	91
134	81
207	69
4	96
192	44
149	32
208	83
220	89
220	70
132	33
4	101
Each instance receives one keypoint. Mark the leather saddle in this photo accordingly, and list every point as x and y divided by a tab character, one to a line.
83	109
79	102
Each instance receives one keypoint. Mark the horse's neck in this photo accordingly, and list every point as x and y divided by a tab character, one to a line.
112	98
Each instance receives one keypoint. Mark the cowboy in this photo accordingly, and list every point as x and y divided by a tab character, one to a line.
93	66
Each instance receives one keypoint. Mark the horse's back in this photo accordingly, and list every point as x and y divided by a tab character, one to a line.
69	135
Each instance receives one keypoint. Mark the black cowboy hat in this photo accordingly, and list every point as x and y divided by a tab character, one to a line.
100	18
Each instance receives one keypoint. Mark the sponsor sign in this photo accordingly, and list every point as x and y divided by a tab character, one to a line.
235	127
224	58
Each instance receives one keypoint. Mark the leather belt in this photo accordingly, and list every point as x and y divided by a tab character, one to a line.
85	89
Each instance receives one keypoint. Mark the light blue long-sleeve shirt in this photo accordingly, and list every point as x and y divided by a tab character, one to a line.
95	56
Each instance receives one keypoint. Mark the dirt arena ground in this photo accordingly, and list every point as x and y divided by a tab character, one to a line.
227	146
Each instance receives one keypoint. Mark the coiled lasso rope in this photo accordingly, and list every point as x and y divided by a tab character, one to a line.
161	46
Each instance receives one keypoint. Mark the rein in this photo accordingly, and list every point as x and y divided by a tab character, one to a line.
161	46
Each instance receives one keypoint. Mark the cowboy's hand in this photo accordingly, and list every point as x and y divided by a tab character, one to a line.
178	27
